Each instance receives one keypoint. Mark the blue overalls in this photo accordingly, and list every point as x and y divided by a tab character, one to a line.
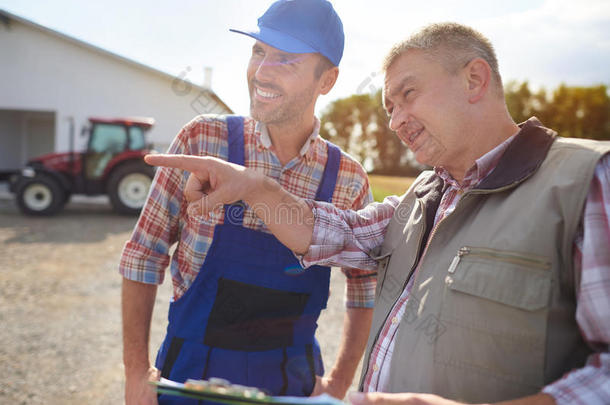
250	315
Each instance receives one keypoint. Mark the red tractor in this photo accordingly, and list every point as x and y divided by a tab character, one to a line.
112	164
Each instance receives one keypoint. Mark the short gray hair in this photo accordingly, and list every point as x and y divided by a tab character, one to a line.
451	44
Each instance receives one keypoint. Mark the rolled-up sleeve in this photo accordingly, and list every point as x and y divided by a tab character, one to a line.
344	238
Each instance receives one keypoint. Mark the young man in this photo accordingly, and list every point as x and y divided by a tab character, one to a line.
243	308
493	269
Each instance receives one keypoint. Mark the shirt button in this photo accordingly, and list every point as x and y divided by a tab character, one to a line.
395	320
375	367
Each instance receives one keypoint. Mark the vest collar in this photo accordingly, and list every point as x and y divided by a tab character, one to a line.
523	156
429	192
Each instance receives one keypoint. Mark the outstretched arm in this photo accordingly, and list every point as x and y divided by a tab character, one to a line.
215	182
320	232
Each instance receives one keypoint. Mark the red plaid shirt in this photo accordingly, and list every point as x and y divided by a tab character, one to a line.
346	238
164	220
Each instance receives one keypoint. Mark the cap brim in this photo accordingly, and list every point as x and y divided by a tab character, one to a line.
277	40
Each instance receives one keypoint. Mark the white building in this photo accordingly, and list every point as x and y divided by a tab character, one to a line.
48	80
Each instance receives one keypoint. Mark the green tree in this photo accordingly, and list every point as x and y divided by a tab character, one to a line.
578	112
518	99
347	124
581	112
359	125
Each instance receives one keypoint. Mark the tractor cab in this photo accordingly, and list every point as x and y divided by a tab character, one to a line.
110	142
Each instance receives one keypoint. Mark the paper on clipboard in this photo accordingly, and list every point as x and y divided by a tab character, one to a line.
165	386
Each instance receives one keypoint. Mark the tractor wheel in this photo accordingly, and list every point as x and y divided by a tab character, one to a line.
40	195
128	187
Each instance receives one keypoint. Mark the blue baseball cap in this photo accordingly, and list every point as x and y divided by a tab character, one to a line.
301	26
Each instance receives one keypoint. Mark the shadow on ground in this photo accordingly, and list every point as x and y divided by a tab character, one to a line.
78	222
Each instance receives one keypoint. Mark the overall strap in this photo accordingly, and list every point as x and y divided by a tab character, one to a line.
234	213
331	171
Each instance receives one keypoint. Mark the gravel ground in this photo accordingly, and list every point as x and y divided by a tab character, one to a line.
60	342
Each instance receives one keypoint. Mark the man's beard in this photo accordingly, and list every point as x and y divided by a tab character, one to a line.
291	109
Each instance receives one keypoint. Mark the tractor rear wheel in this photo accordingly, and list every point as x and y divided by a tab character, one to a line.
128	187
40	195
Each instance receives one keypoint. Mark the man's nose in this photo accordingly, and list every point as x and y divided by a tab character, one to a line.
397	118
264	70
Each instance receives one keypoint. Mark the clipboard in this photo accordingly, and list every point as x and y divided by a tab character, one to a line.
200	390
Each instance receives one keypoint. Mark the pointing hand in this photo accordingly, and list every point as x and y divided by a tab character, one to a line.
212	182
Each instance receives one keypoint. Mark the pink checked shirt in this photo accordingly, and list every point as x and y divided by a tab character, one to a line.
164	220
345	238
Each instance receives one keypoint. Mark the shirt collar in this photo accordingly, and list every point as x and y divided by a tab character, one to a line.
306	150
482	167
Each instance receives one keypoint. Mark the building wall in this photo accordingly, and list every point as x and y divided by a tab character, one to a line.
44	72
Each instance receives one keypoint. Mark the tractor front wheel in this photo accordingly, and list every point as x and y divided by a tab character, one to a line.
128	187
40	195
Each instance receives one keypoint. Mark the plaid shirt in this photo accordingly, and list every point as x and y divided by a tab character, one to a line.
164	219
347	237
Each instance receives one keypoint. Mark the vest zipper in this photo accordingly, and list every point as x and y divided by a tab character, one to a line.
413	269
456	260
421	237
504	256
432	233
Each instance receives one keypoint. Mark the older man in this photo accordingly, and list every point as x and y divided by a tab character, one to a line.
494	268
243	309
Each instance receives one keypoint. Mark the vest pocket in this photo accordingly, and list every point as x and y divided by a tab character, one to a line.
516	279
253	318
494	309
382	255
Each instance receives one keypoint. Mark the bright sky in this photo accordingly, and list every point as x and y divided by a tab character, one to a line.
544	41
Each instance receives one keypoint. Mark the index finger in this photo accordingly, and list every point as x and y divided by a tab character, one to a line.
184	162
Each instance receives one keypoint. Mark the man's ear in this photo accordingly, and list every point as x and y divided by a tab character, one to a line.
328	79
478	79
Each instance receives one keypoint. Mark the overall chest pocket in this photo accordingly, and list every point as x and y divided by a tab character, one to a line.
253	318
495	307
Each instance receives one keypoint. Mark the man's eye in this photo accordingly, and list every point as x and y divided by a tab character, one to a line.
407	92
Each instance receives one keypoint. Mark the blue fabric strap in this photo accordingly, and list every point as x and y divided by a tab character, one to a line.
235	126
234	213
331	170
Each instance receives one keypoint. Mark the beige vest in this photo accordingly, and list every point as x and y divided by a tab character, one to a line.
491	315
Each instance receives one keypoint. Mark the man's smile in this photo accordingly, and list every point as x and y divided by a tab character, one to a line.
266	94
410	132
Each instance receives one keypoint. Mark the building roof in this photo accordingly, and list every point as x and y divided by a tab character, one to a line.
6	18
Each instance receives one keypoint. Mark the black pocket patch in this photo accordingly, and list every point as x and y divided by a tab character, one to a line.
253	318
